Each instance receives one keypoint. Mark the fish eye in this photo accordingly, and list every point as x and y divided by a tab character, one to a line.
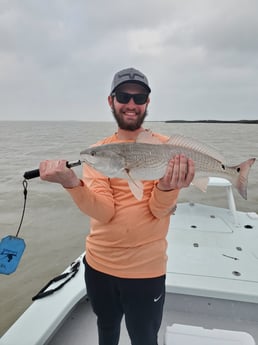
93	153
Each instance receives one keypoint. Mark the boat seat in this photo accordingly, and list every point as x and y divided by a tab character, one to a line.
179	334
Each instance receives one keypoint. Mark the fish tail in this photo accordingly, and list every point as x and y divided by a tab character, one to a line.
242	178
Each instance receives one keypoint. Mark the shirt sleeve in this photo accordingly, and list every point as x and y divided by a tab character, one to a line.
94	197
163	203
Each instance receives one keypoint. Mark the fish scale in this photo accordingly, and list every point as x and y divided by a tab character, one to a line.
147	161
144	160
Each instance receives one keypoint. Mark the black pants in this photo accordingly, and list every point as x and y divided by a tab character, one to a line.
140	300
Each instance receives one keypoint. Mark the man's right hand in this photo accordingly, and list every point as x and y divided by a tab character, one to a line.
56	171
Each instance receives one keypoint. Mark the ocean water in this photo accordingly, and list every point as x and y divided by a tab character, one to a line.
54	229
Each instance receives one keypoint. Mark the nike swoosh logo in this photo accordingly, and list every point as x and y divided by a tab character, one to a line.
157	299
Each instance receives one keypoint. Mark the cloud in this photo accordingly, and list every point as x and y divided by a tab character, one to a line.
57	58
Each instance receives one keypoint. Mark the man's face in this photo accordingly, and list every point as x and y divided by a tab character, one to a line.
129	116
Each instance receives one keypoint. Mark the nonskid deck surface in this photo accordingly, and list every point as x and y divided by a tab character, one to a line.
211	255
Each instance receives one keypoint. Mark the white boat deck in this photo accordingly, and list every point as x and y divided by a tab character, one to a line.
211	256
212	284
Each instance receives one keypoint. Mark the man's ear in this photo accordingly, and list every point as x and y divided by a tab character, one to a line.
111	101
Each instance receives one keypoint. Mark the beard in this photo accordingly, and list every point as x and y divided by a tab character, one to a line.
129	126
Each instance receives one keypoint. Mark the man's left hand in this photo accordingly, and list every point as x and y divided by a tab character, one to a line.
179	174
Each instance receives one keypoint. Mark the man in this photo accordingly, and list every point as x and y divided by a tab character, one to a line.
125	263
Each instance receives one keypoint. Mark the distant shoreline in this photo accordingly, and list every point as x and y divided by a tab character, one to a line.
213	121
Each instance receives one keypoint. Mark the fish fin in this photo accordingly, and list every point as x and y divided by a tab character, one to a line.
147	137
241	180
193	144
201	183
88	181
136	188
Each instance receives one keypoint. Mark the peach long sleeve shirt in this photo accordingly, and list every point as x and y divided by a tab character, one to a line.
127	237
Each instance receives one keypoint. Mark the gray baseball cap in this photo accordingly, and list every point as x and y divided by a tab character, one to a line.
129	75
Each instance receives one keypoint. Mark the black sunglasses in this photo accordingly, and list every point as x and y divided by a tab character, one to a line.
124	98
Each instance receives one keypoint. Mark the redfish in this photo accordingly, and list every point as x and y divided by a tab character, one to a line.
147	159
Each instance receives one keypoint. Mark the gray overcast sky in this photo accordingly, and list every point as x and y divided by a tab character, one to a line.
57	57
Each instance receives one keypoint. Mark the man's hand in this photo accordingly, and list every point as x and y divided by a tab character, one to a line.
57	172
179	174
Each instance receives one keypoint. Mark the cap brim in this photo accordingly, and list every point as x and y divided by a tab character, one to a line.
133	82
